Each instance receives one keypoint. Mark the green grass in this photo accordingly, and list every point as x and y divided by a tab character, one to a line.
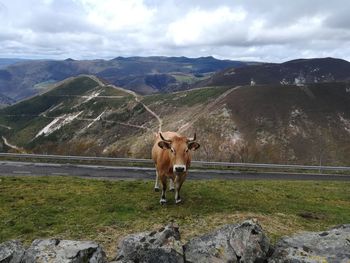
187	98
43	86
110	91
77	86
187	78
29	131
66	207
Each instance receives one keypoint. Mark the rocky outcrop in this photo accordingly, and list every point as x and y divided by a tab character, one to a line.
163	245
328	246
241	243
11	252
244	242
67	251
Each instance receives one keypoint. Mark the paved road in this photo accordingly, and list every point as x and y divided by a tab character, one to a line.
130	173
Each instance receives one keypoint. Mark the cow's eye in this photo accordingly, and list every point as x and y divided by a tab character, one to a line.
186	150
172	150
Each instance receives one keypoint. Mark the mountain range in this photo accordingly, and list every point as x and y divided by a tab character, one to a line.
145	75
20	79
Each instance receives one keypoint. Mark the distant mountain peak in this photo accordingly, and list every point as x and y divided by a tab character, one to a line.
325	59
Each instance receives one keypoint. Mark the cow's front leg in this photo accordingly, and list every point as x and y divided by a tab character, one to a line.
156	185
179	179
171	185
162	198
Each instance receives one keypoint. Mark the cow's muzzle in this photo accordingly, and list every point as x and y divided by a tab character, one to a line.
179	168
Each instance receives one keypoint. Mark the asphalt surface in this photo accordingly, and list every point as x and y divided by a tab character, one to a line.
9	168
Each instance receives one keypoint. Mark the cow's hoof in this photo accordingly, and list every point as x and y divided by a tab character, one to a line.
162	201
178	201
156	189
172	189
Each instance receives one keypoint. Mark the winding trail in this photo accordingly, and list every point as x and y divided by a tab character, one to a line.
6	127
6	142
160	121
118	122
86	97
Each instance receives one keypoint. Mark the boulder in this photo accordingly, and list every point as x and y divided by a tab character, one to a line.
158	246
64	251
328	246
11	251
244	242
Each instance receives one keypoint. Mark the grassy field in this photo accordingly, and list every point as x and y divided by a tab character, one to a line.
186	98
105	211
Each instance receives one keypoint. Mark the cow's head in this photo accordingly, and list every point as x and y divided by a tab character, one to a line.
179	148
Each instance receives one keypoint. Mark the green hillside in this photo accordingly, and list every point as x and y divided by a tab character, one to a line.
84	116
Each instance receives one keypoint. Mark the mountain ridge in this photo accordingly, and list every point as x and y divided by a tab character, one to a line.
294	72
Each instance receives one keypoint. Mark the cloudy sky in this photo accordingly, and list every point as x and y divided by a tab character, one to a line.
260	30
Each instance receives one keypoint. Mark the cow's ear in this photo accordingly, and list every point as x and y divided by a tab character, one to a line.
164	145
193	145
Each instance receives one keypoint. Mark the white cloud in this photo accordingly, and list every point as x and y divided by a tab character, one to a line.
201	26
302	29
244	29
115	15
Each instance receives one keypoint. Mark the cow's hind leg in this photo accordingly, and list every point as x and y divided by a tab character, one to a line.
162	198
156	185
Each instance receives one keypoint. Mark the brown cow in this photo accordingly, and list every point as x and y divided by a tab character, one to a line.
172	157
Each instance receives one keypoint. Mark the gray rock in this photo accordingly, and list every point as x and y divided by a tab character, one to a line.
158	246
64	251
244	242
11	251
328	246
